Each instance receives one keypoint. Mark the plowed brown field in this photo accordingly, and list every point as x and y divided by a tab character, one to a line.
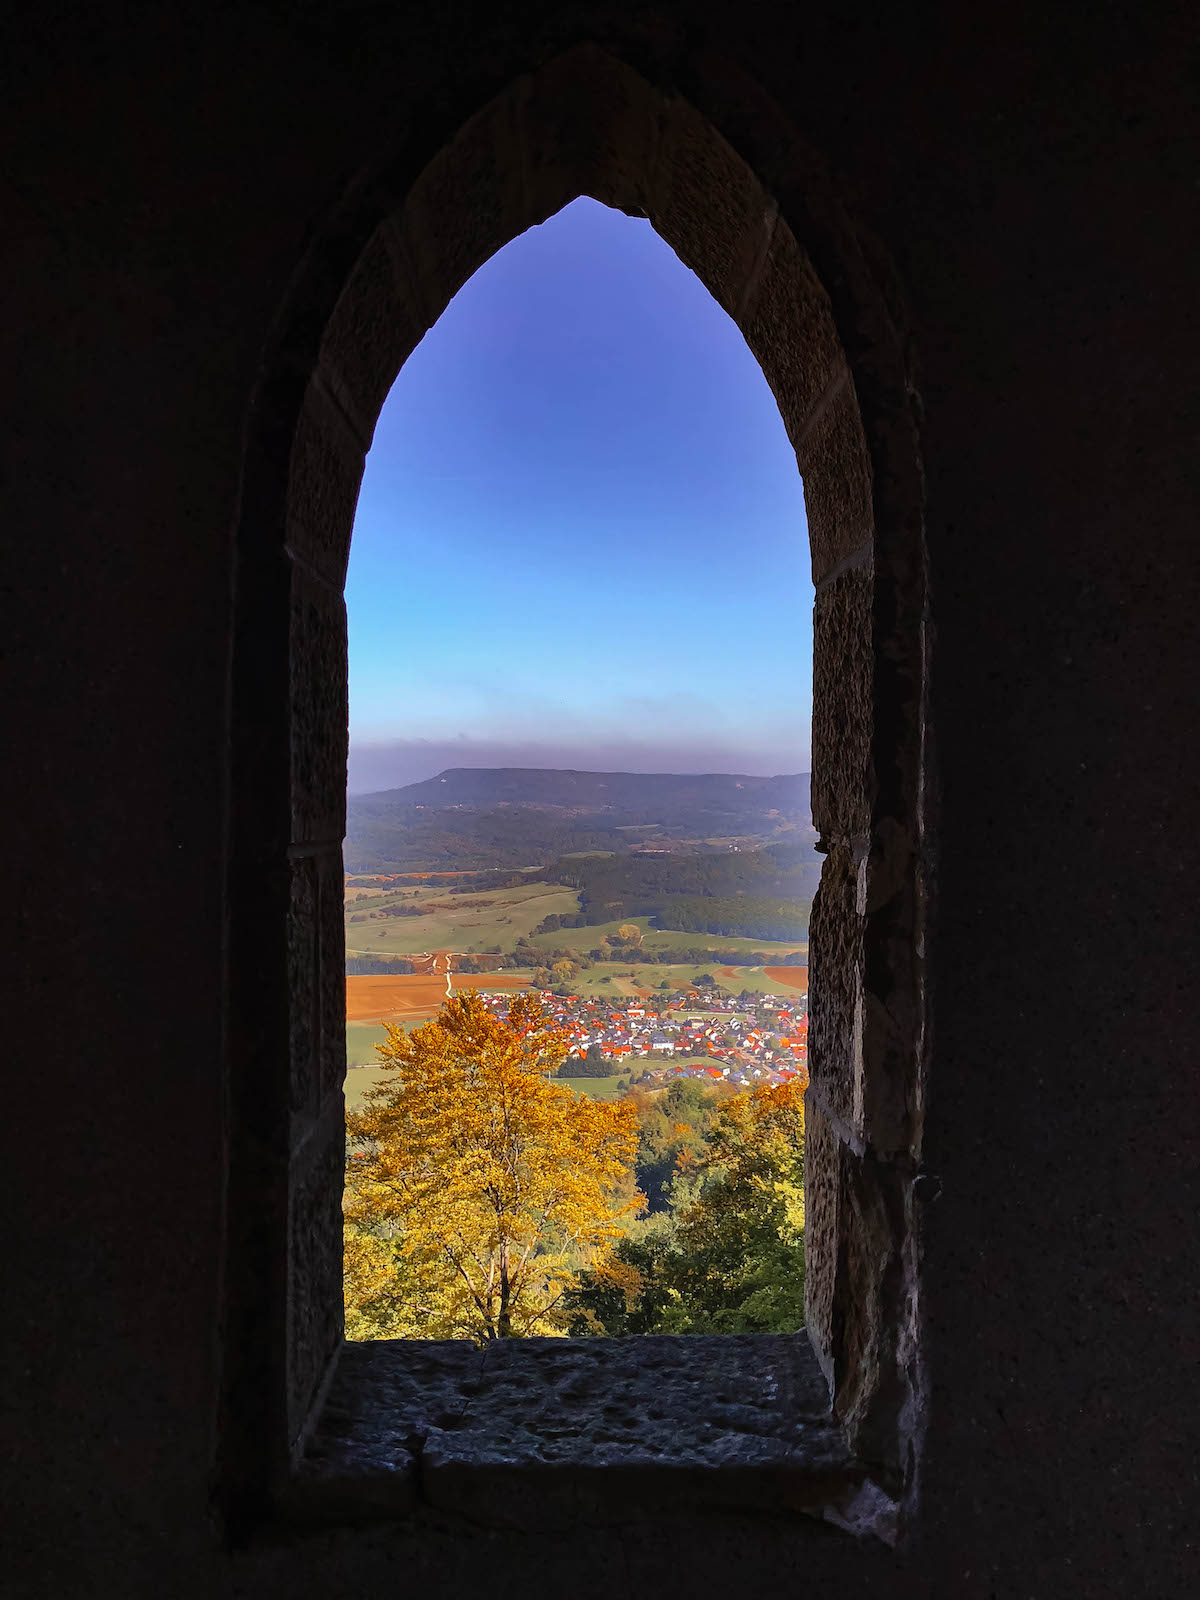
395	999
792	977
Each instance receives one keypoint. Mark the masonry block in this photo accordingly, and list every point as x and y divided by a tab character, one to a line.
314	1292
821	1187
709	207
318	707
324	478
375	326
467	204
842	726
875	1309
835	988
588	127
554	1435
789	326
836	469
892	993
303	968
331	981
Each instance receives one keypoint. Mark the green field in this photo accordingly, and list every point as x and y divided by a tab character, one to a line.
502	916
361	1039
492	917
584	939
358	1081
601	1088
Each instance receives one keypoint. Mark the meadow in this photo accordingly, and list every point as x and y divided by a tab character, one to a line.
361	1039
471	923
358	1080
599	1088
460	922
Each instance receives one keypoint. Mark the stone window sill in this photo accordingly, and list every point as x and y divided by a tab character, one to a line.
552	1433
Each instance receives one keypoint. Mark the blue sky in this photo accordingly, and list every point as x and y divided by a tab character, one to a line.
580	539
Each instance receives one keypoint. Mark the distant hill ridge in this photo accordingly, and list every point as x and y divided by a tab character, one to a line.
550	786
468	818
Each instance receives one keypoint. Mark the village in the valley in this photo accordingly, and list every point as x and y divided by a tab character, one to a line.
742	1041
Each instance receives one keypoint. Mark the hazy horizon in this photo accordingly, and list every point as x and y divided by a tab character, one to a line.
580	540
391	764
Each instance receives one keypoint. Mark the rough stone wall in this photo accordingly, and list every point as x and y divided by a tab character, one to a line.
587	123
1025	175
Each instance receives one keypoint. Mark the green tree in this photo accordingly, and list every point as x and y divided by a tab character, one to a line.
593	1064
741	1243
729	1256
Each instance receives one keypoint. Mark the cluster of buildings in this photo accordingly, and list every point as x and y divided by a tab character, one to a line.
754	1039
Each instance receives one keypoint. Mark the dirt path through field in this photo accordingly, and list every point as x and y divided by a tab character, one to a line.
413	997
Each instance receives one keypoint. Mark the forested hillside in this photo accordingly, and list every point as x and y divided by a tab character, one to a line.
753	894
660	795
473	818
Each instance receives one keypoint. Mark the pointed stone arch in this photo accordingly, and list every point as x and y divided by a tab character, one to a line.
781	256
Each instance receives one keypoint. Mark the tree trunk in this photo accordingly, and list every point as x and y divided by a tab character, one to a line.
504	1320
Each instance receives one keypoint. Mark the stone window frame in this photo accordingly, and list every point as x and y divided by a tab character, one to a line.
765	230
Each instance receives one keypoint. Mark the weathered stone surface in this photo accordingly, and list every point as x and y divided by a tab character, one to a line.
325	474
326	1493
588	125
303	970
876	1309
1029	272
709	207
821	1184
892	996
331	969
375	326
835	988
466	205
546	1432
833	461
314	1289
843	663
789	326
318	710
862	1292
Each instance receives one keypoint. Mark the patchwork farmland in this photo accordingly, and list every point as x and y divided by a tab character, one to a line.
621	906
482	926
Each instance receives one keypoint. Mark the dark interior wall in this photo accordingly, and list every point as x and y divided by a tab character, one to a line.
1030	183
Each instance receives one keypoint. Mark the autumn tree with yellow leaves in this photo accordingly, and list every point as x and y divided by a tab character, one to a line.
477	1187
